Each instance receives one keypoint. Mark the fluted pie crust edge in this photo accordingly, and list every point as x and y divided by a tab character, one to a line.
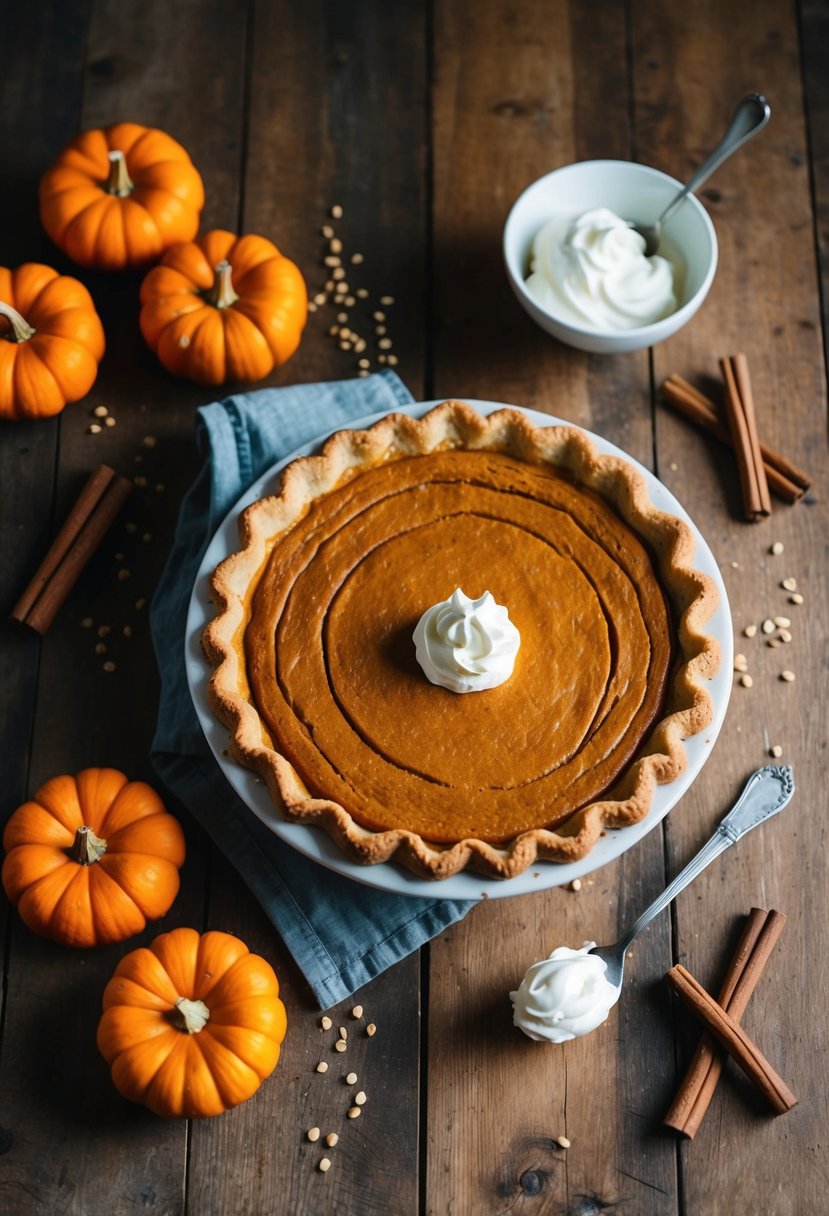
692	596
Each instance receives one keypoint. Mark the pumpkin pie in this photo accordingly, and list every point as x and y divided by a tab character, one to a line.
315	672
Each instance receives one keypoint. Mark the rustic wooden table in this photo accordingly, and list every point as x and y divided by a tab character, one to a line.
424	122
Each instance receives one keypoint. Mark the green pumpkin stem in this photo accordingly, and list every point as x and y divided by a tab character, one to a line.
87	848
119	181
221	294
20	330
189	1016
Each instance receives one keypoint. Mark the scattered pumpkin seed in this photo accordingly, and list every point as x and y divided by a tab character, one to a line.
360	1098
342	317
776	751
354	1112
336	245
740	662
320	298
357	1011
87	622
773	643
149	441
331	260
379	316
575	885
362	293
109	666
364	363
142	603
384	343
100	411
768	625
371	1029
562	1142
357	259
380	330
746	681
785	635
104	630
313	1134
329	284
777	548
94	428
123	574
782	622
750	631
331	1139
343	1032
340	1045
325	1165
362	373
109	421
360	345
325	1022
339	273
788	676
344	345
392	360
322	1066
796	599
382	358
351	1079
789	584
327	231
387	301
350	301
337	212
100	648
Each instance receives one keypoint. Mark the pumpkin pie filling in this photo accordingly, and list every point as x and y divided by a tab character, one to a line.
315	667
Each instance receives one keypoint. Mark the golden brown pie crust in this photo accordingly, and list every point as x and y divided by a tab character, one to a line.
315	674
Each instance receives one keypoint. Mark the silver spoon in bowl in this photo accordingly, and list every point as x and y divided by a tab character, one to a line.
751	116
766	792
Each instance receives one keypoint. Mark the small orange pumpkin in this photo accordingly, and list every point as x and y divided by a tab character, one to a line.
192	1025
223	308
51	341
91	858
120	196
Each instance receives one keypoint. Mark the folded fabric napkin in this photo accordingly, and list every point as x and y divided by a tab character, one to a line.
340	933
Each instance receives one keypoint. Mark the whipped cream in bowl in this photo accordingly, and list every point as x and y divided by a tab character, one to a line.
593	271
466	645
578	268
564	996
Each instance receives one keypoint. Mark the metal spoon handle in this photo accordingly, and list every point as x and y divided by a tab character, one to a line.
766	792
751	116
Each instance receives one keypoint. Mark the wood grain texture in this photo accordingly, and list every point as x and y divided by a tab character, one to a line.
764	302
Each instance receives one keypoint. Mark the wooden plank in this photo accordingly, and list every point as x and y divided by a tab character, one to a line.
814	42
510	104
764	302
39	57
142	63
334	93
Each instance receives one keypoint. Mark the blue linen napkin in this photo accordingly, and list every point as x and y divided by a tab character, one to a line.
341	933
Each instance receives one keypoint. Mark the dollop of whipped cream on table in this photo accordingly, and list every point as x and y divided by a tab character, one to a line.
563	996
466	645
593	273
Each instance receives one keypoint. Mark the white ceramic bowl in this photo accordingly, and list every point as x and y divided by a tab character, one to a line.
635	192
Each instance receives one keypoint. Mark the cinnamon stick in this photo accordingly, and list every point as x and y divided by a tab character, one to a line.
733	1038
740	416
88	521
758	939
785	479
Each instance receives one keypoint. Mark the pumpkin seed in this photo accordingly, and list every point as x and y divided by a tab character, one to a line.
325	1165
562	1142
354	1112
340	1045
750	631
777	548
322	1066
746	681
788	676
331	1139
360	1098
325	1022
371	1029
313	1134
357	1011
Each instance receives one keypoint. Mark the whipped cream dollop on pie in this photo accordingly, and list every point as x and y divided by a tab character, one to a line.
317	678
563	996
466	645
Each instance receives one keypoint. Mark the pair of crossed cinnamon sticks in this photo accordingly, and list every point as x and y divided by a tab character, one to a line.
722	1018
85	527
760	467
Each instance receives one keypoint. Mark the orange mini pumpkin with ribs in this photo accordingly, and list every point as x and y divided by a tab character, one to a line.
223	308
91	858
119	196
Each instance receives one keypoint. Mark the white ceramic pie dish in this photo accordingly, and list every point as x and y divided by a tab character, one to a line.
315	843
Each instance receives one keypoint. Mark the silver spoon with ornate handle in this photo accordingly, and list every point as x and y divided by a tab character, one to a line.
751	116
766	792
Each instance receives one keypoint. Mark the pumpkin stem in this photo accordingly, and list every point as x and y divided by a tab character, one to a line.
20	330
221	294
189	1016
87	848
119	182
